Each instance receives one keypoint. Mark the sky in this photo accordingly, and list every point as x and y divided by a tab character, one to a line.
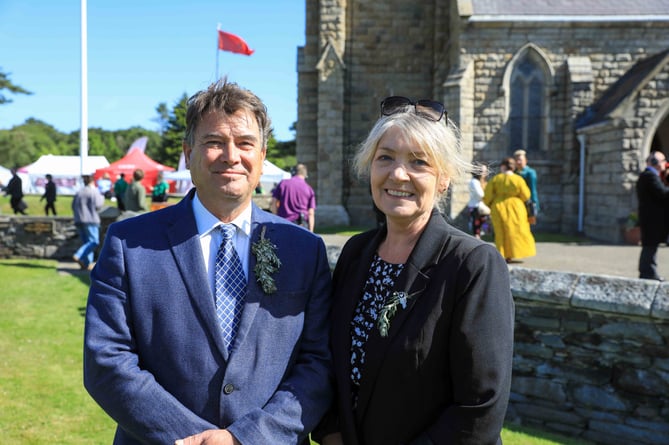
142	53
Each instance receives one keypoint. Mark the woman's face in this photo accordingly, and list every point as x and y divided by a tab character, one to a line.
404	181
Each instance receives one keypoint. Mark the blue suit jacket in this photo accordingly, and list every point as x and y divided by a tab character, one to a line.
154	358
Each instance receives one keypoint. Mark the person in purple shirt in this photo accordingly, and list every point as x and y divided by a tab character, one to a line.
294	199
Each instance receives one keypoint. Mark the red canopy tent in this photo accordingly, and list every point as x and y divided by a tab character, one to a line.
133	160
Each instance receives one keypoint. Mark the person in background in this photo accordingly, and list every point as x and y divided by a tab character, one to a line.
478	211
105	186
295	200
85	206
422	317
160	188
14	189
653	197
49	195
530	177
506	194
135	195
164	355
120	186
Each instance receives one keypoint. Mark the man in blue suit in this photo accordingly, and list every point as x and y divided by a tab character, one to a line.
155	355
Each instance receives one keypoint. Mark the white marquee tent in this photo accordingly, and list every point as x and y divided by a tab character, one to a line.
5	175
66	172
271	175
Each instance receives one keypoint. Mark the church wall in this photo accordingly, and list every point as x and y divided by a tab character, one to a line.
402	48
491	47
389	52
307	97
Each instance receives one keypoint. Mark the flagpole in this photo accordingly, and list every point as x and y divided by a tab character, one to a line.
218	28
83	132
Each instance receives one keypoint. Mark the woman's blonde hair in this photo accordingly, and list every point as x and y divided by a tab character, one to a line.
439	140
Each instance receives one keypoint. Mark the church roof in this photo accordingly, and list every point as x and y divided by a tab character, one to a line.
632	81
620	8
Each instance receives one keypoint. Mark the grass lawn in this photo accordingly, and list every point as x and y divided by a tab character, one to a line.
42	398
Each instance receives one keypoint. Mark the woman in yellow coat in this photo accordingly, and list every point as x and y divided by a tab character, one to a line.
506	194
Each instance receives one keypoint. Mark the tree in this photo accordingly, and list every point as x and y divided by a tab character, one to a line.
6	84
163	117
25	143
171	147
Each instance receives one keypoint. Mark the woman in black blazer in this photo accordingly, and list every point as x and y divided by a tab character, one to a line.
422	315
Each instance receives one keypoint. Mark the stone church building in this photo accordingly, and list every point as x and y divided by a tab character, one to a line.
582	85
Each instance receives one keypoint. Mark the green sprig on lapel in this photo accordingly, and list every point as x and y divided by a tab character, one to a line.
267	262
389	309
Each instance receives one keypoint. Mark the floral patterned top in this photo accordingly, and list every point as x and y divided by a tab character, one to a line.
380	282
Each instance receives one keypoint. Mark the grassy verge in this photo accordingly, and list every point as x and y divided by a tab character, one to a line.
42	398
42	395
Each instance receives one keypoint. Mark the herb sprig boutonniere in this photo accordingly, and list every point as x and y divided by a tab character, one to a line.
267	263
389	309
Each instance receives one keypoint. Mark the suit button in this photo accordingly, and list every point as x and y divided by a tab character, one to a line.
227	389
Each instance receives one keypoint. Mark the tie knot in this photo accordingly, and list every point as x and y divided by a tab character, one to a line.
228	231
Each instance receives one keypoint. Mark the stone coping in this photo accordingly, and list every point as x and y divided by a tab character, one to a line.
628	296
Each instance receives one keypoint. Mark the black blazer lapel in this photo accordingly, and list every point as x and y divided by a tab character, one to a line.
349	281
413	281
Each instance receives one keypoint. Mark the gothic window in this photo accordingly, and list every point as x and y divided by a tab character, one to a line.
527	103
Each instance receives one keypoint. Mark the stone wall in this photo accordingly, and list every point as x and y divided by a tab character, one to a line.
439	50
37	237
45	237
591	356
490	47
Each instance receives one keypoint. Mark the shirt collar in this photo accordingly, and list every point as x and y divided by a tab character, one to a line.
206	221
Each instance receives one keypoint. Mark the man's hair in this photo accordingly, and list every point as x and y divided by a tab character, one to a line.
138	174
226	97
652	158
301	169
519	153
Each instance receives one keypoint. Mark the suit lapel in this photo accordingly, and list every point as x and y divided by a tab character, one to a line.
185	245
349	282
413	280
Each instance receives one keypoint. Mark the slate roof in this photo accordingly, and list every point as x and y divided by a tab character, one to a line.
633	80
618	8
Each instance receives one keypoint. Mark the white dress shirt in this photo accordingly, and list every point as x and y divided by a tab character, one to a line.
210	239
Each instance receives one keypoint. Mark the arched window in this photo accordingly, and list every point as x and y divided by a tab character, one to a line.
528	86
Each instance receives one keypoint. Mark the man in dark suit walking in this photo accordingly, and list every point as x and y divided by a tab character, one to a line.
653	198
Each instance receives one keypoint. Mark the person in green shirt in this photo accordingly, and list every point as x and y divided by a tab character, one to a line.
135	195
120	187
159	192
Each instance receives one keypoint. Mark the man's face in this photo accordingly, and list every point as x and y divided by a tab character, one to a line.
521	161
226	160
661	162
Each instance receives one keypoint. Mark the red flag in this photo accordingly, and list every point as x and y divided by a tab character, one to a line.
233	43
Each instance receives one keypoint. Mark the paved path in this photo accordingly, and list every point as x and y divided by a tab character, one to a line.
599	259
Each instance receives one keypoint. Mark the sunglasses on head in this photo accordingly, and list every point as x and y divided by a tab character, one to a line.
426	108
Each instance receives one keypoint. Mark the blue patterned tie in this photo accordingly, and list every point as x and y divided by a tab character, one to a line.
230	286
